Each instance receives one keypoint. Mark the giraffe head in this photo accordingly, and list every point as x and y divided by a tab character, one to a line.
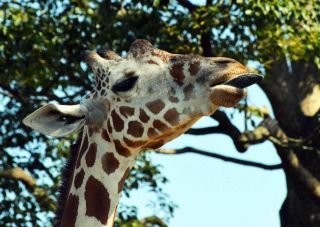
147	98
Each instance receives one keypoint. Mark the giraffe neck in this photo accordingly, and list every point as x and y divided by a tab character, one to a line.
95	185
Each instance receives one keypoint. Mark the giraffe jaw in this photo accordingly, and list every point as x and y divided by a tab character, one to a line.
230	92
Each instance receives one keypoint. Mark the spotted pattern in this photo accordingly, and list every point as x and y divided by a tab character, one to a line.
121	149
156	144
143	116
194	67
126	111
135	128
118	123
84	147
109	126
79	179
105	135
97	197
176	72
109	163
97	200
155	106
162	127
91	155
152	133
172	116
135	143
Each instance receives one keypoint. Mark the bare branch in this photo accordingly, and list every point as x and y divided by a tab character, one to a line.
203	131
17	173
206	44
190	6
229	129
221	157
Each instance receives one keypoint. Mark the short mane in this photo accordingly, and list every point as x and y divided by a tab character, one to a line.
66	180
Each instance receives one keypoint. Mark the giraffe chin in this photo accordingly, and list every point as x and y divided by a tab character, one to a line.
226	96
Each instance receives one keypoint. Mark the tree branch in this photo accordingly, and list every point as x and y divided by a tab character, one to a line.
206	44
18	174
301	174
218	156
203	131
190	6
229	129
270	129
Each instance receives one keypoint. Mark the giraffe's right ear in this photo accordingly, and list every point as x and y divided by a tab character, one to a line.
56	120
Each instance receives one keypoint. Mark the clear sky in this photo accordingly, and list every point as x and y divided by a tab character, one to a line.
213	193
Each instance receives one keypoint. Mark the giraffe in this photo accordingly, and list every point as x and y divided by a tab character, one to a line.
139	101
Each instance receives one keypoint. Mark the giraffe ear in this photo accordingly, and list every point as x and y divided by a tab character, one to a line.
56	120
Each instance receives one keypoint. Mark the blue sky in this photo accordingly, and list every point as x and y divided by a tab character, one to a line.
213	193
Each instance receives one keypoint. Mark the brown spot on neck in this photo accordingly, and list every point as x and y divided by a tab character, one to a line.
162	127
135	143
84	147
118	123
126	111
91	155
155	106
194	67
70	212
97	200
176	72
105	135
172	116
135	128
109	126
155	144
109	163
152	133
143	116
121	149
78	179
123	178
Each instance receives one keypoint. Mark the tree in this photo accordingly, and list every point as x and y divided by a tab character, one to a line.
39	61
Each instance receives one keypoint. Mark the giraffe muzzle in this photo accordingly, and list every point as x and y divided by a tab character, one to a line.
230	92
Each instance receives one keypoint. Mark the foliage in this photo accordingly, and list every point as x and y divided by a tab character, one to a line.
40	60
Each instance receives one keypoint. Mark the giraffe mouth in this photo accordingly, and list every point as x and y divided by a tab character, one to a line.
244	80
241	81
230	92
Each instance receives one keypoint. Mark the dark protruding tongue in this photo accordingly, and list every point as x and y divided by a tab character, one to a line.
244	80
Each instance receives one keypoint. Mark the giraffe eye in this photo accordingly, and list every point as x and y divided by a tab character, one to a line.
125	84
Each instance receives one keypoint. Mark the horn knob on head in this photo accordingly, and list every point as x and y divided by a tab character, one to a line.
91	57
108	54
140	46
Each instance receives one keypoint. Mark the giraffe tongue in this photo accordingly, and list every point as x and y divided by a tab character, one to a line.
244	80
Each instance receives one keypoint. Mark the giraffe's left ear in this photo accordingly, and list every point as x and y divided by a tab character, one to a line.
56	120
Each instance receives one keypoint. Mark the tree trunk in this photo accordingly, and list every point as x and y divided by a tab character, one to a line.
294	93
